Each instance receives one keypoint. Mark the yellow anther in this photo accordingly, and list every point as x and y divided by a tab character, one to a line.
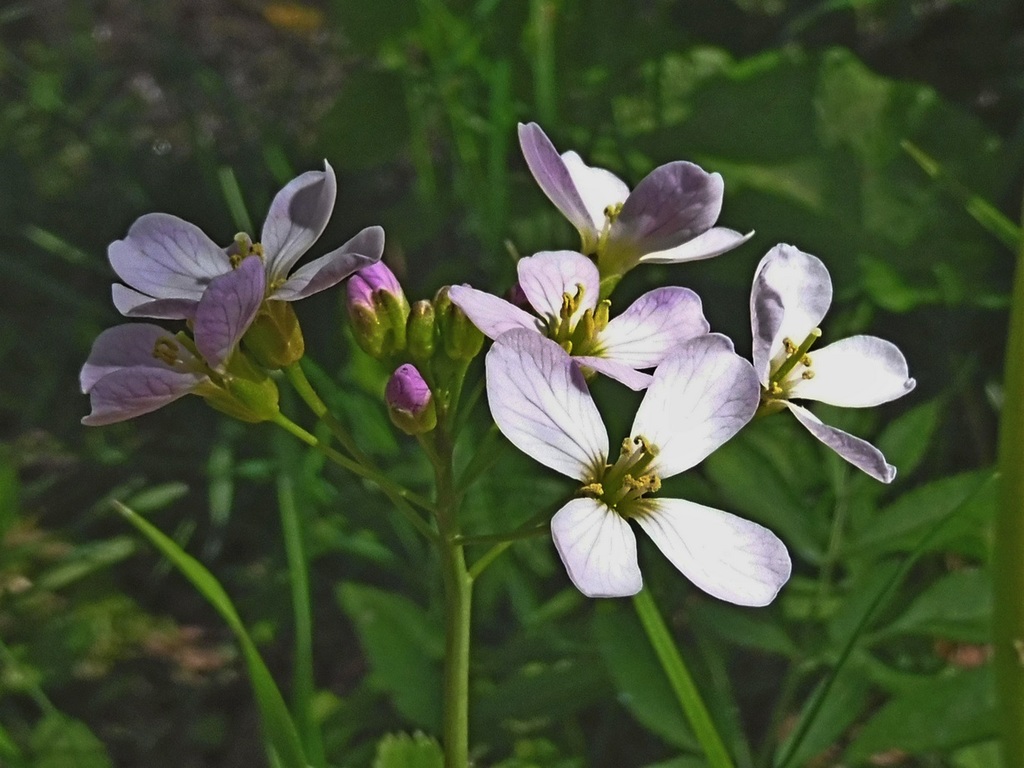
601	315
775	388
165	350
788	345
807	375
806	360
611	212
592	489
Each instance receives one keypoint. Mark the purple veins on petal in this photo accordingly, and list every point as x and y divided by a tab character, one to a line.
296	219
359	253
227	309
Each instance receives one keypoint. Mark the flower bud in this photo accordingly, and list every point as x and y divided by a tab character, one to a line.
410	401
378	309
275	336
461	339
420	332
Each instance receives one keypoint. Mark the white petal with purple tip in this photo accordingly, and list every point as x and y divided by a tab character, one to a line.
653	326
491	314
856	372
320	274
613	369
598	549
227	309
791	294
167	258
597	187
860	453
714	242
549	171
672	204
297	218
547	276
540	402
701	396
726	556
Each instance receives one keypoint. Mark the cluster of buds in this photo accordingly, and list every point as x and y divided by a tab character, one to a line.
431	342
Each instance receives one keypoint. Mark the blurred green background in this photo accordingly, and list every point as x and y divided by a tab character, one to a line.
114	108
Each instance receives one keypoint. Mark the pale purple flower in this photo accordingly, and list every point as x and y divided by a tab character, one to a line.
563	289
669	216
700	397
136	368
167	263
791	294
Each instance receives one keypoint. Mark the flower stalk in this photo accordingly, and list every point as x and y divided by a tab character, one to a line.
1007	573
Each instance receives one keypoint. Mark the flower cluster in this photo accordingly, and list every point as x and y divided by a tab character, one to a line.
173	271
556	334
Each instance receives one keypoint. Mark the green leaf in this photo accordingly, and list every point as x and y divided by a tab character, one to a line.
905	441
957	607
641	684
936	714
404	751
59	741
405	647
901	525
279	728
750	629
10	490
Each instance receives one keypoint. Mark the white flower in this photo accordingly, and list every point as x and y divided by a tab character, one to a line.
669	216
562	287
791	294
700	397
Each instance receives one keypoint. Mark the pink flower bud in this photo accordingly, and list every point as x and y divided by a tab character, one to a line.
409	400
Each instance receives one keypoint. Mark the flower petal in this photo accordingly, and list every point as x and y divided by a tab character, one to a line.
653	326
547	276
700	397
597	187
125	346
227	309
130	392
672	204
791	294
167	258
491	314
551	174
714	242
857	372
598	549
728	557
296	219
613	369
860	453
540	402
131	303
361	251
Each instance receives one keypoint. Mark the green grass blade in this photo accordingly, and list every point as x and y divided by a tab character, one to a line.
982	211
280	731
679	677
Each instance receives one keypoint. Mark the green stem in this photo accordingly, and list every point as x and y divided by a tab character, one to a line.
458	590
402	498
681	681
31	687
298	572
1007	573
305	390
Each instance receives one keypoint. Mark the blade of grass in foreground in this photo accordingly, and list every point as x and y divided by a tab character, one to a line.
280	732
679	677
